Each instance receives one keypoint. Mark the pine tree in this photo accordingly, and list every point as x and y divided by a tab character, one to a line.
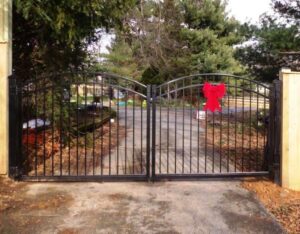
175	38
210	35
275	42
52	35
120	60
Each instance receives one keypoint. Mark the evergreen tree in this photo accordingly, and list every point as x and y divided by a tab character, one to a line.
120	60
210	35
53	35
175	38
275	43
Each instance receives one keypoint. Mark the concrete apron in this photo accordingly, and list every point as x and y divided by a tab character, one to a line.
166	207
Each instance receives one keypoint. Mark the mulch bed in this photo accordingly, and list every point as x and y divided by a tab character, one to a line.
236	140
86	157
283	203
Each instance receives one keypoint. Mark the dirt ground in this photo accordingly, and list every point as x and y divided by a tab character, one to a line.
284	204
164	207
14	207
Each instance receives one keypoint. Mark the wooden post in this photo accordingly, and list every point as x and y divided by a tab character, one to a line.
5	71
290	162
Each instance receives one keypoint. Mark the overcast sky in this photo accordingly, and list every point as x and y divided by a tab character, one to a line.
245	10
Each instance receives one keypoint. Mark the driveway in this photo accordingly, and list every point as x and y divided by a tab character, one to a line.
180	145
166	207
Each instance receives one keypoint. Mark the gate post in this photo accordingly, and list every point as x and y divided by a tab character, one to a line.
290	124
276	127
5	71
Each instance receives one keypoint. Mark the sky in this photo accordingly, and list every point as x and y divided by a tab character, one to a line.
242	10
245	10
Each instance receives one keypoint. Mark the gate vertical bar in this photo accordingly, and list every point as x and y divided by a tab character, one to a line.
153	130
148	131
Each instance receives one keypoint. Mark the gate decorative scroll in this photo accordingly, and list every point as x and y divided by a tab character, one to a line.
99	126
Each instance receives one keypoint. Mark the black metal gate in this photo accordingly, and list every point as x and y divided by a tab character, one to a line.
99	126
80	126
237	141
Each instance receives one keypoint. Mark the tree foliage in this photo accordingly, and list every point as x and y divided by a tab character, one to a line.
210	36
121	60
288	9
172	38
274	43
51	35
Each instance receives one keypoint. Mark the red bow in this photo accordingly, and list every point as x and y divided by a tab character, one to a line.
213	93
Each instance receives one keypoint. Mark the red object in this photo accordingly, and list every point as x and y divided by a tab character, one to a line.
213	93
32	138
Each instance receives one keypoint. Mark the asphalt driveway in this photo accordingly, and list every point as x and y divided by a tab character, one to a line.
180	145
